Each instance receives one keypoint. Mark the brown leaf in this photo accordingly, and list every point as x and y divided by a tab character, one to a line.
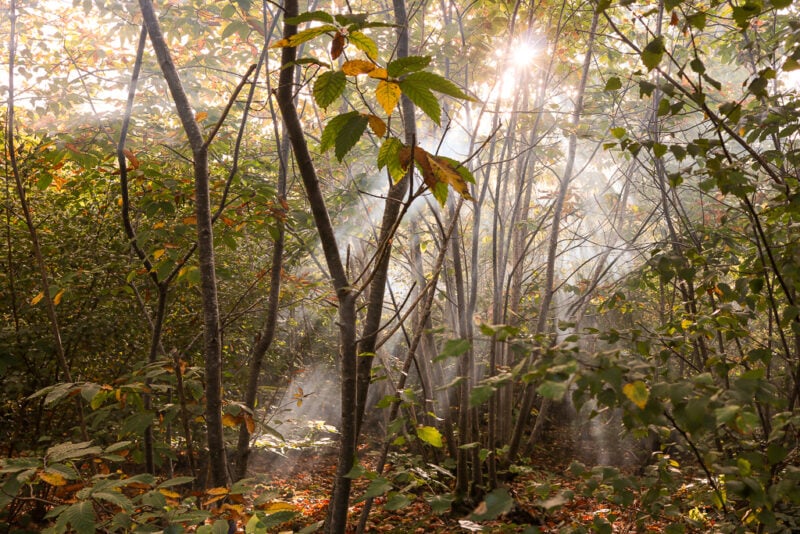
337	45
445	173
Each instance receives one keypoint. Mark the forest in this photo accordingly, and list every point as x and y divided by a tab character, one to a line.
400	266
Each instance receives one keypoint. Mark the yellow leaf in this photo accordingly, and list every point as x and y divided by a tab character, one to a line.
377	125
379	74
158	253
445	173
54	479
201	116
190	220
213	500
686	323
354	67
230	421
280	43
169	494
57	298
35	300
637	392
388	95
279	506
159	225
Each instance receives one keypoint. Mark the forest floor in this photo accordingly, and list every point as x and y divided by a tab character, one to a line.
301	478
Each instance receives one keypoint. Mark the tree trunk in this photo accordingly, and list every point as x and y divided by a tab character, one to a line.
205	243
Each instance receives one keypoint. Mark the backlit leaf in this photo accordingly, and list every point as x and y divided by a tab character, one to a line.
637	392
364	43
405	65
319	16
377	125
444	173
613	84
653	53
379	74
354	67
57	298
328	87
437	83
430	435
35	300
303	36
388	95
388	156
423	98
332	129
349	135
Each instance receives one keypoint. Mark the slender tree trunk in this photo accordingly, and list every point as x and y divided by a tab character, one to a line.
44	276
336	520
552	250
205	243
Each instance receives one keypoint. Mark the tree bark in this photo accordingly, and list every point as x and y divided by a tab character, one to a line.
205	243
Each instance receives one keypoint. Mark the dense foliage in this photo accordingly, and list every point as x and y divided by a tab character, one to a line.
472	226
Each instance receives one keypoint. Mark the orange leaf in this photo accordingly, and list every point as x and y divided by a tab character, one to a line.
131	157
169	494
354	67
249	423
201	116
379	74
230	421
35	300
57	298
219	490
377	125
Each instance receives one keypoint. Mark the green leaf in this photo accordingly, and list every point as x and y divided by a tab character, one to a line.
698	20
618	132
430	435
440	504
496	503
319	16
137	423
349	135
423	98
176	481
69	451
454	347
377	487
637	392
613	84
396	501
404	65
364	43
659	150
115	498
388	156
653	53
332	129
552	390
328	87
81	517
437	83
697	65
480	394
